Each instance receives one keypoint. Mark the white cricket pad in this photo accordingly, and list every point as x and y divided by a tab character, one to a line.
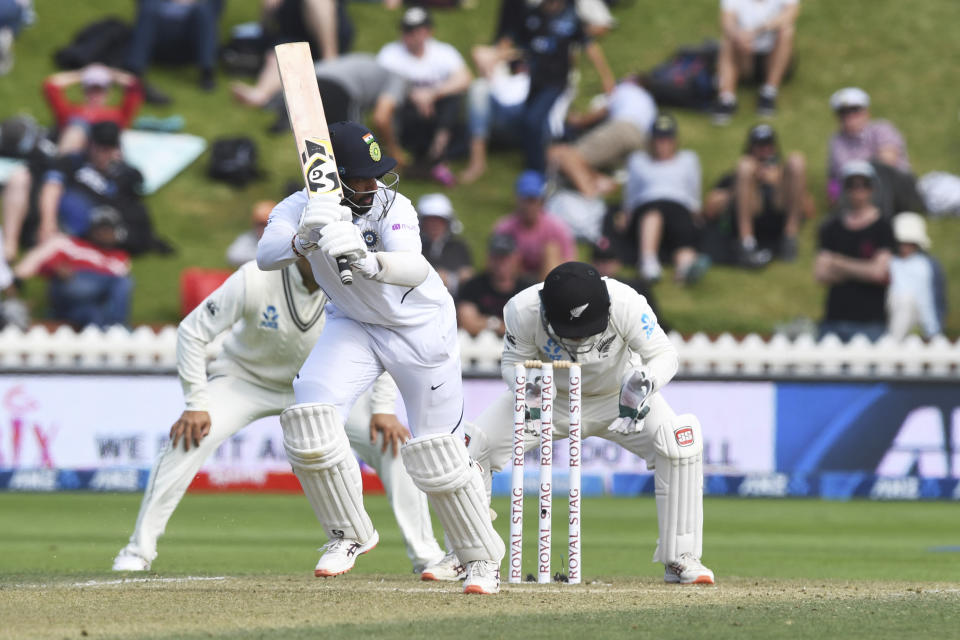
441	468
678	475
319	452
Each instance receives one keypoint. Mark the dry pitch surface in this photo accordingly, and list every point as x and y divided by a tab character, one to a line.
153	606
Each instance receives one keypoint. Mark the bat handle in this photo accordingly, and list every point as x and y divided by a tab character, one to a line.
346	275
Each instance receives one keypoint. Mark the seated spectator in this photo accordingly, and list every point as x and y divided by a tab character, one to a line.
353	85
619	124
13	15
325	24
854	260
917	293
545	36
766	200
12	309
448	254
481	299
861	138
175	32
542	240
75	118
439	79
662	202
244	247
90	279
606	259
757	41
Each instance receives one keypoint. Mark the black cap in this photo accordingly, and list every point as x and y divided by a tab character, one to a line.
105	134
415	17
501	244
664	126
575	300
357	151
761	134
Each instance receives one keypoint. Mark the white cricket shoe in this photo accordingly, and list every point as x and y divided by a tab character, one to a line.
687	570
339	555
129	560
447	568
483	576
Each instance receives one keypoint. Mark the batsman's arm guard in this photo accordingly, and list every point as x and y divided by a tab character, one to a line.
402	268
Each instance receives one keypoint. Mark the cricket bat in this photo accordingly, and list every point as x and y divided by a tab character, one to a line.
309	123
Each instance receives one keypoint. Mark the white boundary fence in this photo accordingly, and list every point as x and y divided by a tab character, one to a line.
144	350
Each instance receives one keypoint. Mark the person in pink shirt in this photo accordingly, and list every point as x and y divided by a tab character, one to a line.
542	240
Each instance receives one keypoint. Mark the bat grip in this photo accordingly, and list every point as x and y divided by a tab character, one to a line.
346	275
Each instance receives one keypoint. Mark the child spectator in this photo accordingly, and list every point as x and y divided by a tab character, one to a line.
917	293
854	260
442	248
662	198
244	247
481	299
542	240
757	41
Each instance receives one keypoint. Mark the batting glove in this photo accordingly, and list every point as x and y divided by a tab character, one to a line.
343	239
634	393
319	211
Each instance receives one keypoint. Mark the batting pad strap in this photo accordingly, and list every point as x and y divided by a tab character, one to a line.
440	467
319	452
402	268
678	478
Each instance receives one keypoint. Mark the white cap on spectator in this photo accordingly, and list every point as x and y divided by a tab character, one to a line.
96	75
849	97
437	205
911	227
860	168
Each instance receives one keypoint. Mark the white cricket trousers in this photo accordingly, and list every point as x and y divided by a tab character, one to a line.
235	403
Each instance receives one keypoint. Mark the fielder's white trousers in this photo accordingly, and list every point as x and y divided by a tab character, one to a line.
236	403
424	361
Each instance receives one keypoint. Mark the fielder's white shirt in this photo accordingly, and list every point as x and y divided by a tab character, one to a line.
438	62
367	301
633	338
753	13
273	322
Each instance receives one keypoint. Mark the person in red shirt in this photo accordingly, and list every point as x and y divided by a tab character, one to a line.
75	118
90	279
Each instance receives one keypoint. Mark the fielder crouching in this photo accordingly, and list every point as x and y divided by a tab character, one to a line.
626	358
273	319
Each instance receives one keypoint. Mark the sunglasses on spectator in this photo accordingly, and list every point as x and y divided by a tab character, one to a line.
857	183
842	111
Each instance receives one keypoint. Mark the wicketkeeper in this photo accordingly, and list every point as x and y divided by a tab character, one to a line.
626	358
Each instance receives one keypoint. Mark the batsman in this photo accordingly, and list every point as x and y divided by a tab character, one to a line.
626	358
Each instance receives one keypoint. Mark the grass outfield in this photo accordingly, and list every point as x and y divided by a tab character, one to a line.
877	44
239	566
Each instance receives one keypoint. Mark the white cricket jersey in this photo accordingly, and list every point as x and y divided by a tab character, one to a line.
367	301
273	323
633	337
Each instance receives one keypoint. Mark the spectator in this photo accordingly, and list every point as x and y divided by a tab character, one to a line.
757	42
861	138
481	299
605	258
546	35
353	85
323	23
175	32
446	252
14	14
766	199
620	125
75	118
439	79
542	240
917	293
854	260
89	279
12	310
662	202
244	247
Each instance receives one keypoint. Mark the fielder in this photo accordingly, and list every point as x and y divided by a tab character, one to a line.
626	359
397	317
273	319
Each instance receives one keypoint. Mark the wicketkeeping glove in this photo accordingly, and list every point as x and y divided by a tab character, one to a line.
634	393
343	239
533	399
319	211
